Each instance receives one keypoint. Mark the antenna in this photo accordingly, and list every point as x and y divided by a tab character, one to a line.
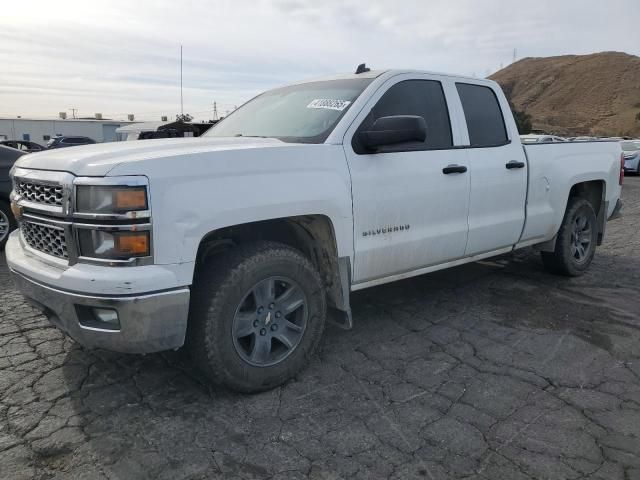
515	51
215	111
362	68
181	98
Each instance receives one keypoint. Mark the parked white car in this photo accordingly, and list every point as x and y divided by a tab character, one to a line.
531	138
631	152
244	241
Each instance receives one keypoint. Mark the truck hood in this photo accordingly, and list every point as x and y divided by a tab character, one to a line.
100	159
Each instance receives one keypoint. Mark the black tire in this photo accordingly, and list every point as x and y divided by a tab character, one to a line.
7	223
220	288
567	259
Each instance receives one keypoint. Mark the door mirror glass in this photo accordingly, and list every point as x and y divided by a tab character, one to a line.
393	130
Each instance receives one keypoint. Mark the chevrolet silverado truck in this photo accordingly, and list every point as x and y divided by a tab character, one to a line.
242	243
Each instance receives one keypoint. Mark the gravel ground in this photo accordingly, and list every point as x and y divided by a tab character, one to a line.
493	370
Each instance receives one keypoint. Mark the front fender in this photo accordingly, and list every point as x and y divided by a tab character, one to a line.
195	194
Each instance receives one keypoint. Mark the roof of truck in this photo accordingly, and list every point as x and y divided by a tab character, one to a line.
377	73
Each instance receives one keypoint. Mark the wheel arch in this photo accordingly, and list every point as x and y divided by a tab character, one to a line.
314	235
594	191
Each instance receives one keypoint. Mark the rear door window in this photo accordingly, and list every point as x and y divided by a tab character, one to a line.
482	111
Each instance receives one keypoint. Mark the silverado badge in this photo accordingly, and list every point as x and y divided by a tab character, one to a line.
386	229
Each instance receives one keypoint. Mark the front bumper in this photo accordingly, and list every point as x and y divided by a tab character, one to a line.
148	323
151	321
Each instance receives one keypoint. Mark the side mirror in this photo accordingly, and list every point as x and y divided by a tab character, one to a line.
394	129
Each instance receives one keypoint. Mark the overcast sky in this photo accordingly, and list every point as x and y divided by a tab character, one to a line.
119	57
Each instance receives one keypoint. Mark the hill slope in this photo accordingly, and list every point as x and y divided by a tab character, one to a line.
596	94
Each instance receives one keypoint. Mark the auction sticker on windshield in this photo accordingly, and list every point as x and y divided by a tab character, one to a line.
329	104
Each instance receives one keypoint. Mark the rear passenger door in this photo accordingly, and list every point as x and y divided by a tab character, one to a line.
498	170
408	213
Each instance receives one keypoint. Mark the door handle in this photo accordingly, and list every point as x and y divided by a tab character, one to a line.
515	164
454	169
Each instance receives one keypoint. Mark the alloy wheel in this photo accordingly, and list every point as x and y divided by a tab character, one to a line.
581	241
270	321
4	226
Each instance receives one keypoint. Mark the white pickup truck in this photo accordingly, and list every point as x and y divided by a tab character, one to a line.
241	243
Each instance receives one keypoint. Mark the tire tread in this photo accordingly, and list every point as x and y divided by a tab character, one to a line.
214	282
559	262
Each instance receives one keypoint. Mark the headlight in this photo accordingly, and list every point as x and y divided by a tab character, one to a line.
99	199
112	220
113	245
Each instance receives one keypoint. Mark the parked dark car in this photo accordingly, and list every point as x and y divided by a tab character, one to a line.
60	142
23	145
8	156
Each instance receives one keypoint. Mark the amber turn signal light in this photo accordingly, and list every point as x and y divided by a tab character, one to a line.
131	199
134	244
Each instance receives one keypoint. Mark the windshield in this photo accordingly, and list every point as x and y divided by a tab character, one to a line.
630	146
305	113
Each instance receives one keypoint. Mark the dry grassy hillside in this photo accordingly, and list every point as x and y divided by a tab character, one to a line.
596	94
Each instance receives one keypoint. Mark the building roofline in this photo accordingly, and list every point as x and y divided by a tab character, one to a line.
70	120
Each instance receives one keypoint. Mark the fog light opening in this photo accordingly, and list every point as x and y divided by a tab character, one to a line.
107	315
98	318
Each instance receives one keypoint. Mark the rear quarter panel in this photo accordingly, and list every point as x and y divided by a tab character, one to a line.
556	167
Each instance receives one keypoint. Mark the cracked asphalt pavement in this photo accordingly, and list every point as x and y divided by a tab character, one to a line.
495	370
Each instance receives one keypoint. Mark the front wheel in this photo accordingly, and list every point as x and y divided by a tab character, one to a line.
576	240
257	316
7	223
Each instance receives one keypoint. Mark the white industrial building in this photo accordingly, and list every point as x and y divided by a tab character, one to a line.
41	131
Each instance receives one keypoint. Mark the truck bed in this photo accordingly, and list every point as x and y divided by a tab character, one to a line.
553	169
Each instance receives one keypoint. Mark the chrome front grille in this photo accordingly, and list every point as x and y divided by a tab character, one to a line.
44	238
39	192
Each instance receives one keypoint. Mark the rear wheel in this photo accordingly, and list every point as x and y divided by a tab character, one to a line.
7	223
576	240
257	316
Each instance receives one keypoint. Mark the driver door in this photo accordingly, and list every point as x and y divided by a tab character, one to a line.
410	210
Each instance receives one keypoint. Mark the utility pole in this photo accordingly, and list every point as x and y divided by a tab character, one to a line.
215	111
181	98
